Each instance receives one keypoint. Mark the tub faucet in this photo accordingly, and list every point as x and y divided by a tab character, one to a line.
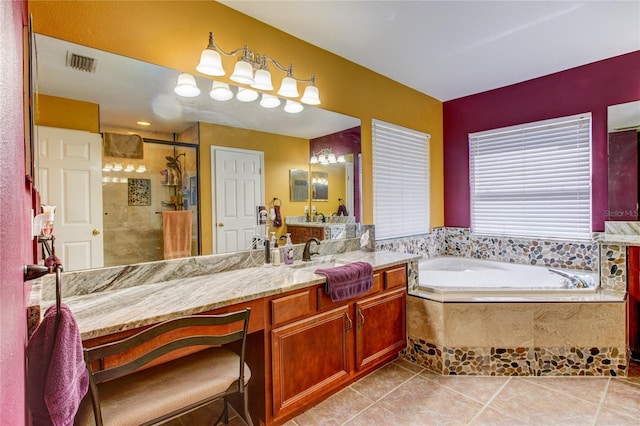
575	280
307	253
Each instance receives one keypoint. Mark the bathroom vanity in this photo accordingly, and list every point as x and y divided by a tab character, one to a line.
302	346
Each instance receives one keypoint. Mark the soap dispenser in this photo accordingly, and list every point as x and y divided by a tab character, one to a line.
288	250
275	253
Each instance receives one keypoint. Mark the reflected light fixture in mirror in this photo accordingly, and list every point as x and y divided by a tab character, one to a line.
293	107
246	95
269	101
220	91
326	156
186	86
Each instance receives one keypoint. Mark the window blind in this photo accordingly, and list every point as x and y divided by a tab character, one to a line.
400	181
533	180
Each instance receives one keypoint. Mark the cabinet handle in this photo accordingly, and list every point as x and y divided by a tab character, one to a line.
350	323
361	317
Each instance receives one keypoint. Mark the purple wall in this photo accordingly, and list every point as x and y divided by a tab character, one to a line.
343	143
589	88
14	216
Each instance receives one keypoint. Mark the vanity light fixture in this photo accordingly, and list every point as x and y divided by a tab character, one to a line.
243	72
129	168
326	156
117	167
141	169
107	167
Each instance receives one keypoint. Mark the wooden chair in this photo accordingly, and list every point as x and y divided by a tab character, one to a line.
142	389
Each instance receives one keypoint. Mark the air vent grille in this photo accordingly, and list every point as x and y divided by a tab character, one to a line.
81	63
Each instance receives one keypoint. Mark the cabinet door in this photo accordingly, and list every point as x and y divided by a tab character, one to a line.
310	356
380	328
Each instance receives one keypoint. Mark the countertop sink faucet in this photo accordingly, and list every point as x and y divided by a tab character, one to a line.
323	219
307	253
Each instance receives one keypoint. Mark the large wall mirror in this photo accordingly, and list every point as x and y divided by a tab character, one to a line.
623	127
119	93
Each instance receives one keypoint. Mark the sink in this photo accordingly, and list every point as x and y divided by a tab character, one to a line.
329	262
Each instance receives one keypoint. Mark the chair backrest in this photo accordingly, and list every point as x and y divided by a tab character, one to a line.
221	332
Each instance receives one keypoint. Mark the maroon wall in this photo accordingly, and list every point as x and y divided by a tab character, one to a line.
15	244
343	143
589	88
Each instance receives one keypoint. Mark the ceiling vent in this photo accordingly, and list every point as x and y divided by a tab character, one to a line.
81	63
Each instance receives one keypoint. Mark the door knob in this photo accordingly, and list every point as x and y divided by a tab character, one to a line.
96	231
220	224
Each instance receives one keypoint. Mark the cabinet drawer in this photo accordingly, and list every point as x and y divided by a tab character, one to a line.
290	307
395	277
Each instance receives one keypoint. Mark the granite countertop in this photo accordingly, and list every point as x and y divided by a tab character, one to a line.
106	312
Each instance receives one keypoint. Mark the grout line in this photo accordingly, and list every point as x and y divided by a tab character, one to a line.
414	374
601	403
484	407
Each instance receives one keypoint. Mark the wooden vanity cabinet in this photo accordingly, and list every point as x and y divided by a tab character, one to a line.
339	342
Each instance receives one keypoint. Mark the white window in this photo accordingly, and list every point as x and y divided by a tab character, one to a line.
400	181
533	180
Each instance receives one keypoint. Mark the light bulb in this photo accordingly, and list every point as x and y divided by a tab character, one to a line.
310	96
220	91
187	86
210	63
243	73
269	101
262	80
246	95
289	88
293	107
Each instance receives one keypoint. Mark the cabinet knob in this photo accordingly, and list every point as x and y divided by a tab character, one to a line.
220	224
96	231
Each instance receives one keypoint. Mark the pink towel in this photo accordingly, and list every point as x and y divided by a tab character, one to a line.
347	281
176	233
57	377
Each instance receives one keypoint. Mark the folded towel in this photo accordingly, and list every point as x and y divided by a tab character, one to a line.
57	377
347	281
176	232
123	146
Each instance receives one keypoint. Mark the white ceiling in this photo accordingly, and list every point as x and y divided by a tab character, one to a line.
451	49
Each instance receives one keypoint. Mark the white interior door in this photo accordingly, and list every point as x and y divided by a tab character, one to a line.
238	190
70	163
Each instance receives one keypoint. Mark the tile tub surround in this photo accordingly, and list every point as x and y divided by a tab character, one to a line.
606	253
528	339
109	311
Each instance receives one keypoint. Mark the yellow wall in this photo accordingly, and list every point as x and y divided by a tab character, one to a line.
67	113
173	33
281	153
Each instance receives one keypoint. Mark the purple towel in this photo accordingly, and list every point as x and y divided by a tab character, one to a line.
347	281
57	378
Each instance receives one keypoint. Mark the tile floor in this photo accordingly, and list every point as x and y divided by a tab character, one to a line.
403	393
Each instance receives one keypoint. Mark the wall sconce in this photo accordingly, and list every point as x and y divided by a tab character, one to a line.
251	69
326	156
